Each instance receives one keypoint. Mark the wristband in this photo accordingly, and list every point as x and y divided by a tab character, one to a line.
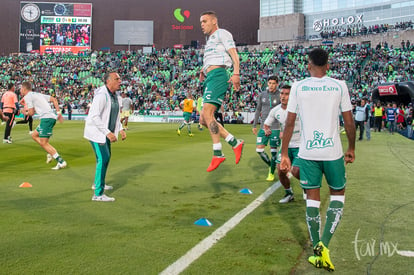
59	113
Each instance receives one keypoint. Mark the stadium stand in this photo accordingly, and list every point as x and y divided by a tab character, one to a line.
158	81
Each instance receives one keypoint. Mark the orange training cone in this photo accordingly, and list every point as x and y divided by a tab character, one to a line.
25	184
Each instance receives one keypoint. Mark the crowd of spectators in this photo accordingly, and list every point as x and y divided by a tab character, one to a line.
363	30
159	81
65	34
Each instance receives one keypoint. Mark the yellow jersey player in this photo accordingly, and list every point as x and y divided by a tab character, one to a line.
187	105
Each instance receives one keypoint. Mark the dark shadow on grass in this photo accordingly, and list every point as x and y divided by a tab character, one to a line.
294	214
258	167
40	202
215	178
129	174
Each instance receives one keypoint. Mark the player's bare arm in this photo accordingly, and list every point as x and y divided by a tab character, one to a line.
349	125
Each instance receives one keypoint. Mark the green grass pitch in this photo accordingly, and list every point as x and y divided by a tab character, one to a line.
161	188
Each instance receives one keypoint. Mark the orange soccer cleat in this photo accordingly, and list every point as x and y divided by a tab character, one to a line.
238	150
215	162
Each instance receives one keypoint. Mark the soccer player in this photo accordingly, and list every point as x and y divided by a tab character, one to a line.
102	127
199	107
318	100
127	108
27	119
279	113
39	103
187	105
220	53
10	106
265	102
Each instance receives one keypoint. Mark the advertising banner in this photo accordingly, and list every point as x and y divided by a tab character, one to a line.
387	90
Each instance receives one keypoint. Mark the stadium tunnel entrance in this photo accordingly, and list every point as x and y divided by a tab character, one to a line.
402	92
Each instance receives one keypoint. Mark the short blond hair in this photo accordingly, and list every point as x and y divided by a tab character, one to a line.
27	85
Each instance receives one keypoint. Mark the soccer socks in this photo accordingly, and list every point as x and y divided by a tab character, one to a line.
333	216
217	147
189	128
181	126
263	155
273	151
313	220
58	158
231	140
289	191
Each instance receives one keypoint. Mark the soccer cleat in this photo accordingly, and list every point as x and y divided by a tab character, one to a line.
215	162
323	252
7	141
103	197
200	127
107	187
315	261
178	132
287	198
49	158
270	176
190	135
238	150
60	165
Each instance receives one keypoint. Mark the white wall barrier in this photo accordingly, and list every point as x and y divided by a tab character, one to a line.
155	116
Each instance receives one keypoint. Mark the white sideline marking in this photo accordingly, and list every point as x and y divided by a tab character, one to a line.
405	253
198	250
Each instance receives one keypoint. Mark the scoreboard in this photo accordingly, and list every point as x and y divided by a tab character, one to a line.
47	27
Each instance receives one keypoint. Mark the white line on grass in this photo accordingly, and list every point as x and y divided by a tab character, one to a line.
405	253
198	250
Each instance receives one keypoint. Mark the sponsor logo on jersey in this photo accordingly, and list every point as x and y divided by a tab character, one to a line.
319	142
319	89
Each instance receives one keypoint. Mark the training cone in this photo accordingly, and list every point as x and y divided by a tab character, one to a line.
246	191
203	222
25	184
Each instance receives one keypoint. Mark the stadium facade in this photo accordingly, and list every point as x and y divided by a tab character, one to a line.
283	20
240	17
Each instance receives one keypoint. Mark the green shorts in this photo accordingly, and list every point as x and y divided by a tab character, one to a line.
187	116
215	87
293	156
45	127
311	173
273	139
